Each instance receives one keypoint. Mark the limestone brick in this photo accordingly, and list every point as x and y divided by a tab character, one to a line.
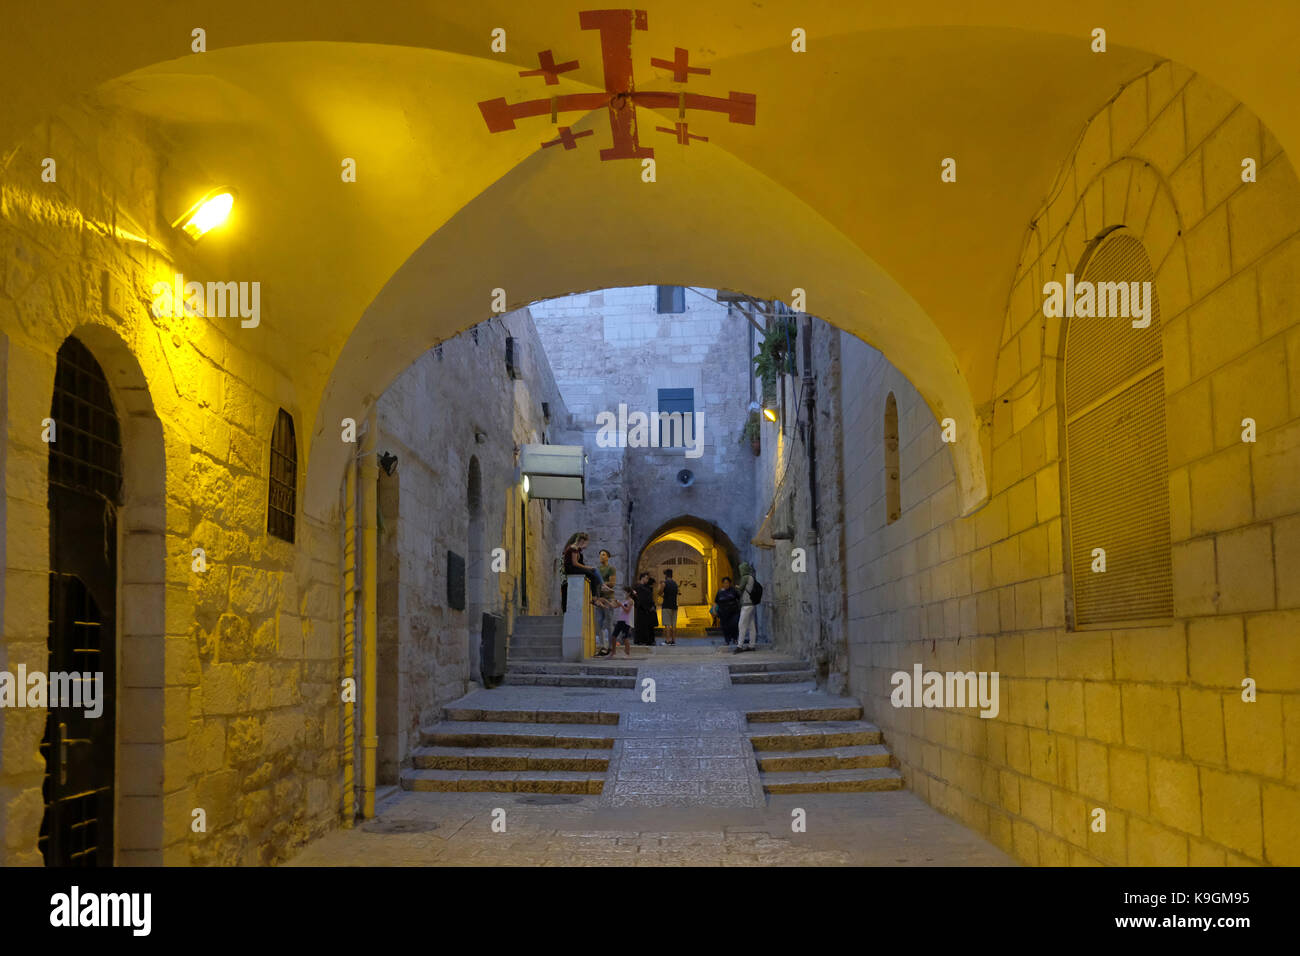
1245	569
1230	811
1254	734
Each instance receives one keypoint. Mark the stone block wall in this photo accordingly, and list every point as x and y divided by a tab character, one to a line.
804	597
228	679
456	403
1147	723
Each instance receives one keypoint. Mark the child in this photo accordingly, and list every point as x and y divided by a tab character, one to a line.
623	625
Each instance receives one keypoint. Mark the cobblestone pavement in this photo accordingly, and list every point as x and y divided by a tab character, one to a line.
682	789
456	829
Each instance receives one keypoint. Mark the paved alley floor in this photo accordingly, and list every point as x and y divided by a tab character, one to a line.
682	788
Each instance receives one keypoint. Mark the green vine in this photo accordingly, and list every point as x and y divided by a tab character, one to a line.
753	429
776	352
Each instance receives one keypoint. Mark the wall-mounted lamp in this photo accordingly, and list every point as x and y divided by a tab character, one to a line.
525	484
388	462
206	214
769	414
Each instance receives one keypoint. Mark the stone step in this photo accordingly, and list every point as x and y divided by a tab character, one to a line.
833	781
757	667
520	716
820	735
790	714
508	758
604	670
568	680
820	759
775	677
502	781
535	640
492	734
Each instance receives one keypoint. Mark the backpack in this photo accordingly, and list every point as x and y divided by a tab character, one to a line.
755	592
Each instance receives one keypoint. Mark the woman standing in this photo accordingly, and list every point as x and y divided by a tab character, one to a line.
645	622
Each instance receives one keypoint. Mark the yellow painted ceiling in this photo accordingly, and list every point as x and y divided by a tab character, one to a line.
834	190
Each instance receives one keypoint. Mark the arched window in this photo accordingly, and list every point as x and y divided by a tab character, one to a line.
1117	470
282	493
893	504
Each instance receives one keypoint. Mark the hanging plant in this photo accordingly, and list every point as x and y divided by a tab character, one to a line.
776	351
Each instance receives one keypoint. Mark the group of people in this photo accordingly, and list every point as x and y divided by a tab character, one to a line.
733	607
632	615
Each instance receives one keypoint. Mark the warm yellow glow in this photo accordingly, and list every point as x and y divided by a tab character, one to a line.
208	213
525	484
769	414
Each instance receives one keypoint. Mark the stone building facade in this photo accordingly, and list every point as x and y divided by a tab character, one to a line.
614	347
1145	722
455	419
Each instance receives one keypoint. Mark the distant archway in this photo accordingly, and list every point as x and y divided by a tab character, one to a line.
700	555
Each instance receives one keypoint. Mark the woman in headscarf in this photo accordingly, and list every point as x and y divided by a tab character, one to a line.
645	620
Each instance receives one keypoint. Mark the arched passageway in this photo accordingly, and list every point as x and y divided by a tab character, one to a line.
448	223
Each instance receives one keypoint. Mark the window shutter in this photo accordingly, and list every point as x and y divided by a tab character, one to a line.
1117	468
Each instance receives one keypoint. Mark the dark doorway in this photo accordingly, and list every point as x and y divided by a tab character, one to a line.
85	482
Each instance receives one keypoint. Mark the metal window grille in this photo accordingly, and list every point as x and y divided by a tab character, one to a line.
282	492
86	454
1117	469
671	299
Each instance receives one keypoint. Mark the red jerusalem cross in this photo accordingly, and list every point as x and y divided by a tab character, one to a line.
550	69
620	96
678	65
679	130
568	138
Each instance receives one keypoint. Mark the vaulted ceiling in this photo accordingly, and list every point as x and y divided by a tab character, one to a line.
835	189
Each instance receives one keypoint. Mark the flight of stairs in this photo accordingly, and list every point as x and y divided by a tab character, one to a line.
553	674
539	637
513	751
772	672
820	750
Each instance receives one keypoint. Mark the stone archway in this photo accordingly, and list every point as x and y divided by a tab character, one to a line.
143	694
700	555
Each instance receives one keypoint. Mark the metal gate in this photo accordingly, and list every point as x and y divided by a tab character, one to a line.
85	488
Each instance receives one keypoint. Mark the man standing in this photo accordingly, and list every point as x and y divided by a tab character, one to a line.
668	612
750	594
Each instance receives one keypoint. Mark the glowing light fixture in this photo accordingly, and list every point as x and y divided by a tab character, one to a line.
206	214
525	484
769	414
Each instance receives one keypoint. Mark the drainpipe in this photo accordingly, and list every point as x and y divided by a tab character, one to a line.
369	661
349	639
810	394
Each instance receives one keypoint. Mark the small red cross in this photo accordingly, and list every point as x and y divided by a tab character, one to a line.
680	131
549	68
568	138
678	65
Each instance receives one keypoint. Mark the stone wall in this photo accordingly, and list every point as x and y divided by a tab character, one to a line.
228	678
612	347
1147	723
803	597
454	405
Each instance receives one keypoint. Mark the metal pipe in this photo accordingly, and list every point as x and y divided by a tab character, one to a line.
349	808
370	589
810	392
